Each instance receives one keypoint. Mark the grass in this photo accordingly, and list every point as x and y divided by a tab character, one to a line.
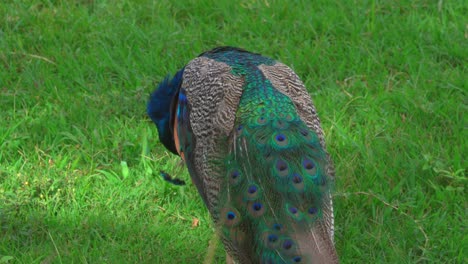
79	159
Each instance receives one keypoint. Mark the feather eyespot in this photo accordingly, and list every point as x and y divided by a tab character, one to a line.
272	238
281	140
239	129
252	189
288	244
281	167
234	174
306	134
256	209
261	120
234	177
297	182
252	192
312	210
297	259
293	210
257	206
277	227
309	166
297	178
280	137
230	216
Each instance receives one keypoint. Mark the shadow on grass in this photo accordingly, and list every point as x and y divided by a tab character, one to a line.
98	237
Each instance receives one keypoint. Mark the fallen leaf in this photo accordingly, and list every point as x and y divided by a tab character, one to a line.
195	222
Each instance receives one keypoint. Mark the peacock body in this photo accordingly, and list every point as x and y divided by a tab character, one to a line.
252	142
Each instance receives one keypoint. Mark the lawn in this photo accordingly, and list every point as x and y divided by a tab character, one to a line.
80	160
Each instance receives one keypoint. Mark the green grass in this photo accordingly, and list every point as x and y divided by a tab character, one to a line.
79	159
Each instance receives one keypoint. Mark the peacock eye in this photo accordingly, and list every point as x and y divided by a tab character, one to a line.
287	244
297	178
297	259
312	210
280	137
272	238
261	120
257	206
277	227
230	215
293	210
252	189
308	164
234	174
281	165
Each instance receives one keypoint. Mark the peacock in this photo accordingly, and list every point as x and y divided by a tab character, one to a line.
251	139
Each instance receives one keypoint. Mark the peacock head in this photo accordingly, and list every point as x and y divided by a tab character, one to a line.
161	109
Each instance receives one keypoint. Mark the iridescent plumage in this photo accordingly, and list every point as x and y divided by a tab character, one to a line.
251	139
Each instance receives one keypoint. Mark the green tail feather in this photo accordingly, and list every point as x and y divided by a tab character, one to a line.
276	179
